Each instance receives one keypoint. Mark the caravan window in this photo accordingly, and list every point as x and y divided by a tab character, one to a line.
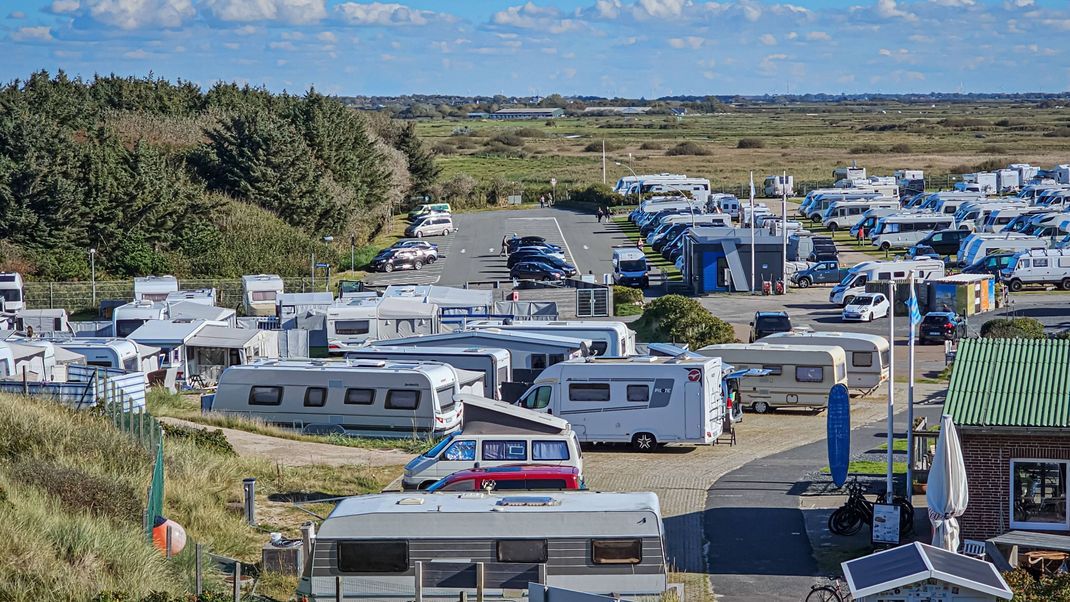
351	327
315	397
537	361
616	551
556	358
533	551
505	450
265	396
263	295
373	556
360	396
445	398
862	359
774	370
402	400
598	348
588	392
809	374
549	450
638	393
1040	263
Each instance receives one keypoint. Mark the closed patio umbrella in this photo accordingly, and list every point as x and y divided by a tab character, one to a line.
946	494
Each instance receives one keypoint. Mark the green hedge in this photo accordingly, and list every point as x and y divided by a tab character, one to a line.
678	319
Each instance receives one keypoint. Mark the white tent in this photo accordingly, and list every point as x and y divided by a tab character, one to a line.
946	493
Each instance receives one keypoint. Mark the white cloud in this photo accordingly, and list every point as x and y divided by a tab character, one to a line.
888	9
768	39
818	36
660	9
231	46
326	36
954	3
286	11
64	6
692	42
287	46
246	30
138	14
751	11
768	65
709	75
18	14
920	39
32	34
607	9
792	35
533	16
884	52
387	14
136	54
1019	3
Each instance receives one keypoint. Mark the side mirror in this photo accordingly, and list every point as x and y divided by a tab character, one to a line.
751	323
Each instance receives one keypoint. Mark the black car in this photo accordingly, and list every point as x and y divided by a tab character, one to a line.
535	270
550	260
768	322
528	241
945	242
940	326
389	260
991	264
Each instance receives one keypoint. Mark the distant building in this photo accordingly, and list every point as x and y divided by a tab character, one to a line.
525	114
479	115
615	110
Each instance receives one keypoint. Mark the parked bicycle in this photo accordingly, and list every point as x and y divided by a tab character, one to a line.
857	511
833	590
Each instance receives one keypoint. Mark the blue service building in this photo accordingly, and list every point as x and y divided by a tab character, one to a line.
718	259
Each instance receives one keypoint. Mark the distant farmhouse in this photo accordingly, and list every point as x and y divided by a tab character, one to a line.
507	114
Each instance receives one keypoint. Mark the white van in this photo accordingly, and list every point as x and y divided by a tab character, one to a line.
12	292
979	245
854	282
609	338
642	400
258	293
519	436
365	398
1045	266
844	214
867	354
727	204
630	267
800	376
904	229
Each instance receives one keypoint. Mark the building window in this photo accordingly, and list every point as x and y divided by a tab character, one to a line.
315	397
361	397
639	393
862	359
373	556
402	400
588	391
1038	494
265	396
809	374
522	550
351	327
616	551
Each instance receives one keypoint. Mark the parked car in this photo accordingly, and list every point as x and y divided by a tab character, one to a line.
922	251
817	256
431	225
535	270
516	242
823	272
866	307
945	242
991	264
542	249
428	249
940	326
554	262
389	260
767	322
530	477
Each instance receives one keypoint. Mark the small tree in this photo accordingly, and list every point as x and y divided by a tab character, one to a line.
1013	328
675	318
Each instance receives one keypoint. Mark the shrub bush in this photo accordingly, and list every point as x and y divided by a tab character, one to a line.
596	146
1013	328
211	439
865	149
530	132
901	148
443	149
678	319
597	194
507	139
81	491
1063	132
750	143
963	122
687	148
650	146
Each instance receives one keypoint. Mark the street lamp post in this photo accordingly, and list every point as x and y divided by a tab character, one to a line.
93	273
352	253
326	239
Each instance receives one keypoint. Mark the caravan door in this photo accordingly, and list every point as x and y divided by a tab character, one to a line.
696	417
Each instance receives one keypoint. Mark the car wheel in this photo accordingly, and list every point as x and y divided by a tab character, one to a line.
419	235
1066	284
388	267
446	232
1016	285
869	318
804	282
417	265
644	442
886	246
431	259
760	407
832	227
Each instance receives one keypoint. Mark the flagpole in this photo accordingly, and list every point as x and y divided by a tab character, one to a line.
910	389
891	391
784	233
603	160
753	252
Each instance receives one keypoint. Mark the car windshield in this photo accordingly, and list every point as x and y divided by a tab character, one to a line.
441	445
632	265
779	323
862	301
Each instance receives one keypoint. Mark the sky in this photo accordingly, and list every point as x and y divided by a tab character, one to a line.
628	48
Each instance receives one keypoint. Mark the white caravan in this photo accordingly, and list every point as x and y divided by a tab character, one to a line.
582	541
365	398
867	354
43	321
154	288
854	282
125	319
200	296
723	203
351	321
292	305
12	292
642	400
258	293
123	354
492	363
977	246
1047	266
799	376
844	214
608	338
849	173
778	186
904	229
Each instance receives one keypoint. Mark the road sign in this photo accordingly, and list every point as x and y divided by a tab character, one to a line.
839	433
323	266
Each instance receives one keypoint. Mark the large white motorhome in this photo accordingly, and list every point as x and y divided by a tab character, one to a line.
976	246
1042	266
820	202
12	292
258	294
999	219
778	186
625	184
366	398
492	362
904	229
642	400
154	288
799	376
844	214
854	282
696	188
849	173
867	354
869	218
593	542
973	215
723	203
608	338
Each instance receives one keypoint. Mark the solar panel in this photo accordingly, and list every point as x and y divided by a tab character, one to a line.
886	566
964	567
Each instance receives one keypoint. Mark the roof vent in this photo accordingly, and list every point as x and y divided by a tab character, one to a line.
528	501
411	501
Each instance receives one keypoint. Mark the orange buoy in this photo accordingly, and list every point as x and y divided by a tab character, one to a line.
159	536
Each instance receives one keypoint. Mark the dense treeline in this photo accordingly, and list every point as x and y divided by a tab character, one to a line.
164	177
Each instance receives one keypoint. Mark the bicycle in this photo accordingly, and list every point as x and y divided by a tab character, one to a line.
857	511
833	590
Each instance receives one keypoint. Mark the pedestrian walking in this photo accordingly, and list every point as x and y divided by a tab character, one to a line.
542	201
505	246
861	235
599	213
639	244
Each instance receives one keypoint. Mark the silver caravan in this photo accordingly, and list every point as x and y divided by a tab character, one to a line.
867	354
358	320
854	282
641	400
125	319
365	398
12	292
903	230
200	296
43	321
379	546
976	246
608	338
258	294
113	353
798	376
154	288
492	363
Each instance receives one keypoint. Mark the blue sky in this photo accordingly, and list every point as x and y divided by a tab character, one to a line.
599	47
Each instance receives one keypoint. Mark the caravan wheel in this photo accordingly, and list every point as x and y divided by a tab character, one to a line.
760	407
644	442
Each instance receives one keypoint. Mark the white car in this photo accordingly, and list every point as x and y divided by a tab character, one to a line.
864	308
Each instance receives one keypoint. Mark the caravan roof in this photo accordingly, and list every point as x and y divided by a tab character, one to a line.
167	331
224	337
443	296
262	282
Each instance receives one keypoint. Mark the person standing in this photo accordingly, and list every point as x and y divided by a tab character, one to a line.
505	246
599	213
861	235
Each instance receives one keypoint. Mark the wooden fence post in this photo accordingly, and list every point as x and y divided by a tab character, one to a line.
237	581
199	577
480	576
419	581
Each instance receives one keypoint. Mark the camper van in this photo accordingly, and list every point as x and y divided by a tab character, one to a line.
854	282
779	186
597	543
12	292
642	400
258	294
727	204
904	229
629	267
977	246
844	214
867	354
364	398
869	218
609	338
697	188
492	434
154	288
492	363
1042	266
800	376
849	173
629	184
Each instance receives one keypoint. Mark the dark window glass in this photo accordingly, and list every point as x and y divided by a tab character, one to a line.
522	550
538	361
599	348
265	396
351	327
373	556
506	484
638	393
315	397
774	370
402	400
555	484
588	391
809	374
862	359
556	358
616	551
463	485
360	396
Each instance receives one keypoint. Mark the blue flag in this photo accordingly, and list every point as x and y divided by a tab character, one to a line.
912	306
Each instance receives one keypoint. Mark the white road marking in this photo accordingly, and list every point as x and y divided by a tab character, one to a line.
463	250
585	247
